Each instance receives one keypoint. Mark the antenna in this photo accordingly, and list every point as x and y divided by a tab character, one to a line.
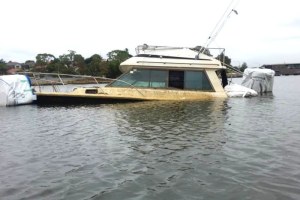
220	25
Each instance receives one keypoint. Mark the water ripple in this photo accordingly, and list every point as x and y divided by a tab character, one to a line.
232	149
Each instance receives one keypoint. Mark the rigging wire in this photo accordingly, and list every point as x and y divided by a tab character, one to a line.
216	30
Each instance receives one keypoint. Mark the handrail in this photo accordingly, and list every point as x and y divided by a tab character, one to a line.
55	89
232	68
152	47
202	50
38	79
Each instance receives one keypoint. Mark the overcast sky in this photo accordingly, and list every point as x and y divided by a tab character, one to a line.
263	32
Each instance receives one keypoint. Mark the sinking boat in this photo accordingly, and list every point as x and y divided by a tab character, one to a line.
155	73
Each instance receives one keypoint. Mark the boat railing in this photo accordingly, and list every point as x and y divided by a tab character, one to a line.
144	47
201	50
221	57
40	79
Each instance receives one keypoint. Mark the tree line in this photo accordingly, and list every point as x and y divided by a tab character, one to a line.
74	63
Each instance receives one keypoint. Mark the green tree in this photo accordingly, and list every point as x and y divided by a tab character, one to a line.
115	58
2	66
68	59
243	67
43	59
118	55
93	65
224	59
71	62
104	65
55	67
79	64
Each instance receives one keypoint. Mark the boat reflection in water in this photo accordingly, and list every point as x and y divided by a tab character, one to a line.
172	125
157	147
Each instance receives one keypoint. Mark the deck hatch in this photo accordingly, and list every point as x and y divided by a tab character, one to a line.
91	91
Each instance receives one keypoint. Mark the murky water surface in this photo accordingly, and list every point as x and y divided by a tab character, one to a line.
232	149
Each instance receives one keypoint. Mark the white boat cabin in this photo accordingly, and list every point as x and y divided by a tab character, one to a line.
170	68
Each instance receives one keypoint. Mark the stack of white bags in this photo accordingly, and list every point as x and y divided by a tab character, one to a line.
255	81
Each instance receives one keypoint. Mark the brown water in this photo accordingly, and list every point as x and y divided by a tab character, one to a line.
232	149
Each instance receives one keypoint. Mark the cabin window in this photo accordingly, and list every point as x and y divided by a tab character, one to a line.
189	80
158	78
176	79
196	80
126	80
143	78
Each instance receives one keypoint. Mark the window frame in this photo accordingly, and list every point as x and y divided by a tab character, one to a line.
204	73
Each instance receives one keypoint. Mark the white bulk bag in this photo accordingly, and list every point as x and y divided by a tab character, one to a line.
235	90
260	80
15	90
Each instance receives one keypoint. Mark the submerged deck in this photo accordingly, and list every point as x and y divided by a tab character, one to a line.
113	95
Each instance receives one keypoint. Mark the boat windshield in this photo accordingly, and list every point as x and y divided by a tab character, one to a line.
176	79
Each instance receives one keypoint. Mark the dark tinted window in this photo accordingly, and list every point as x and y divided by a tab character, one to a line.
176	79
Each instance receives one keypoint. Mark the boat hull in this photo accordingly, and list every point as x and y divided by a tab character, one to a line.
119	95
69	100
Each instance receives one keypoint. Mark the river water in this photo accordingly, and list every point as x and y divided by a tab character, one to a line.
239	148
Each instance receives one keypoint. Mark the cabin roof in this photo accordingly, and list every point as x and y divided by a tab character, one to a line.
177	58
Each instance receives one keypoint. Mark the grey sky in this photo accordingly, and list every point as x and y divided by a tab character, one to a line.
264	31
